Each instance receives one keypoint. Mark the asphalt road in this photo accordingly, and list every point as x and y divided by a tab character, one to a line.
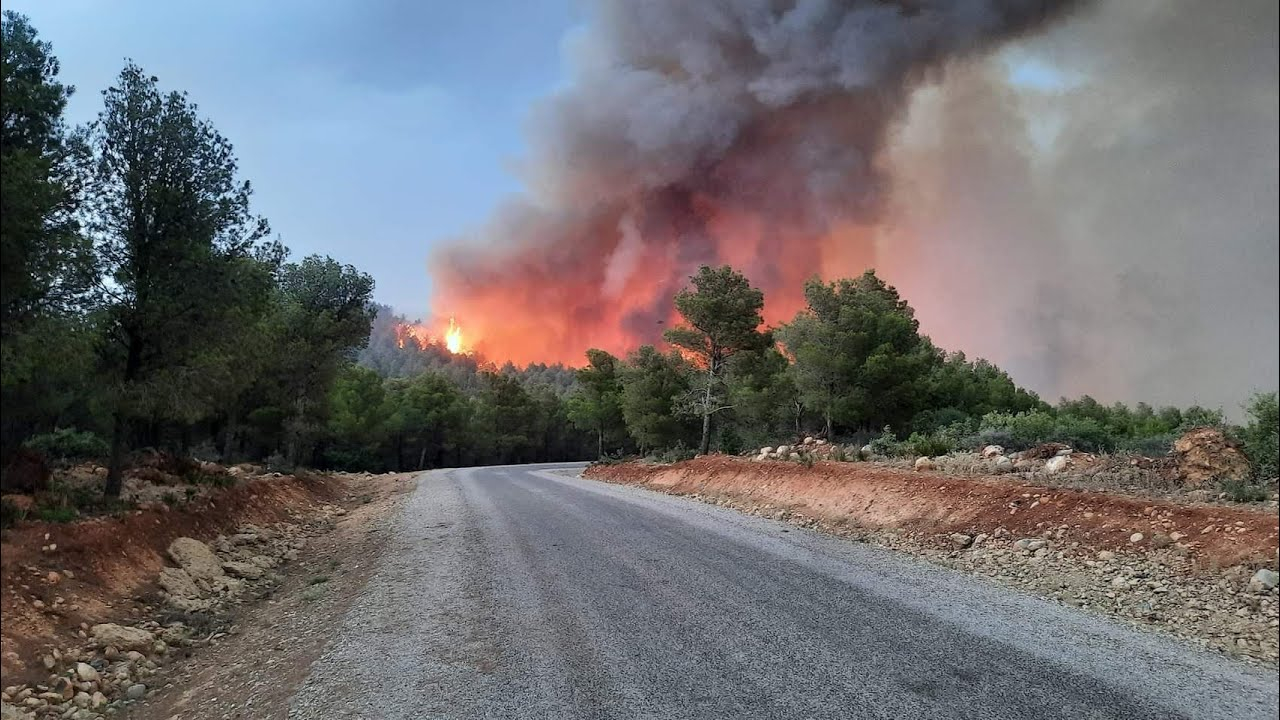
519	592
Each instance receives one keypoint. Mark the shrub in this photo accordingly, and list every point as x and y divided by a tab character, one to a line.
1261	436
1243	491
56	513
674	454
929	445
69	443
277	462
1150	446
730	441
885	444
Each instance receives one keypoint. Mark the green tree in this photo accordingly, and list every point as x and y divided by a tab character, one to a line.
596	406
1262	435
358	416
46	264
173	229
766	404
428	416
722	317
859	358
320	318
652	383
504	419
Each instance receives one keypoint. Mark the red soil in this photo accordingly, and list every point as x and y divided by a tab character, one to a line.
872	496
115	560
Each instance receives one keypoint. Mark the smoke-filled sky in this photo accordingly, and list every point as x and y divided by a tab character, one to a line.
1084	193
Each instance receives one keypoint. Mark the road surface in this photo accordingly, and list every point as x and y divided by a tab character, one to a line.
522	592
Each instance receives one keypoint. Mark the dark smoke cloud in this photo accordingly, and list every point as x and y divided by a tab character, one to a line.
1132	256
741	131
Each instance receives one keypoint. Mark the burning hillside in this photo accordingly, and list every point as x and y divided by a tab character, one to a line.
705	133
788	139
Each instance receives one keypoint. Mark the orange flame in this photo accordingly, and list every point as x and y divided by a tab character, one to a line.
453	337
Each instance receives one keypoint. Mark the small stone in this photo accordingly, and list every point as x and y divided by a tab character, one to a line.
1265	579
98	700
48	662
136	691
1136	538
53	578
81	699
1106	555
961	540
85	672
121	637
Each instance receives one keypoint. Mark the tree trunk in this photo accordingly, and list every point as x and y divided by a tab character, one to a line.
422	457
599	442
230	438
705	446
114	469
119	426
827	417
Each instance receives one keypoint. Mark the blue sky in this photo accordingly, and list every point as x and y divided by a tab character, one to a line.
369	128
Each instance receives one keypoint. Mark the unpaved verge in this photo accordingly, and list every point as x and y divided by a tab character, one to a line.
1193	570
58	577
284	538
255	669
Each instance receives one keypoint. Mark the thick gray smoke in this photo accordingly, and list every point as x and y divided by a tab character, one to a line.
740	131
1113	232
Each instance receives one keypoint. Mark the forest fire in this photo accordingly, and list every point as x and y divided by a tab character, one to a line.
422	336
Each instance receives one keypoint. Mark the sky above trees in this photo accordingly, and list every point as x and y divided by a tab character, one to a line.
369	129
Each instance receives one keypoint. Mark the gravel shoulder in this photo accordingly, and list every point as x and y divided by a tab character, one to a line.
521	592
267	650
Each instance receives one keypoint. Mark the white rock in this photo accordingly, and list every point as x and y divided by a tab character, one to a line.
960	540
85	672
1056	464
783	450
991	451
1265	579
808	441
1136	538
766	450
198	560
121	637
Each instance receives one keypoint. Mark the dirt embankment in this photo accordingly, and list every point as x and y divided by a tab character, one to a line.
888	498
56	576
1204	572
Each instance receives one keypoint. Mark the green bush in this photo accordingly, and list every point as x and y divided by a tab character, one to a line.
930	445
885	444
56	513
730	441
69	443
1243	491
1151	446
1261	435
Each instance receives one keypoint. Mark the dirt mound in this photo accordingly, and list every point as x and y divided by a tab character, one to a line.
869	495
57	576
1206	455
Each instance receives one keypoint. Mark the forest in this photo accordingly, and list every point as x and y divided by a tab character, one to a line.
146	305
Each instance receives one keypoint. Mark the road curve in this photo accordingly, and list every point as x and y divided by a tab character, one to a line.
520	592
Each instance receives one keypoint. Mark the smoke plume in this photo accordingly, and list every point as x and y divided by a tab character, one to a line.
791	138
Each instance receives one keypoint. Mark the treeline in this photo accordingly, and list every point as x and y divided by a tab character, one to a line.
144	303
851	366
410	405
